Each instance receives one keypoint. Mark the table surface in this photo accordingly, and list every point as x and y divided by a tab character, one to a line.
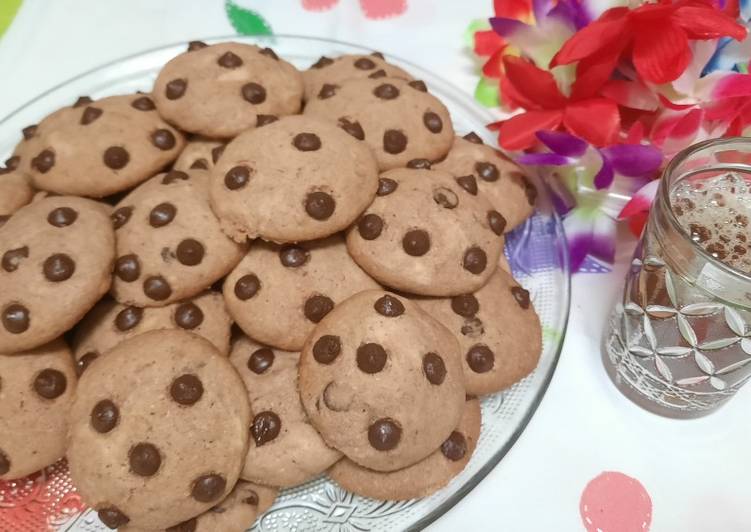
695	472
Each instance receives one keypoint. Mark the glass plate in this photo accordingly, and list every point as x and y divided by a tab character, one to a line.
536	251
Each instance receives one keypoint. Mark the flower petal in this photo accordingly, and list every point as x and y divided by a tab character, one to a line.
604	176
595	120
707	22
641	201
543	159
562	143
518	132
534	83
661	52
602	245
633	160
486	42
592	72
608	30
492	67
520	9
506	27
633	94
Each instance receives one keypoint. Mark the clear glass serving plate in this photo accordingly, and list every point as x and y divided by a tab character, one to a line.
536	251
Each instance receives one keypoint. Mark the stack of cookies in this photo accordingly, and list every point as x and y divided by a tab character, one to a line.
249	277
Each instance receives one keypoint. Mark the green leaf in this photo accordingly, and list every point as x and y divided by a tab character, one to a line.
474	26
245	21
8	9
486	92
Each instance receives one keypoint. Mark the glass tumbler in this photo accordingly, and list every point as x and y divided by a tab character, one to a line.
678	343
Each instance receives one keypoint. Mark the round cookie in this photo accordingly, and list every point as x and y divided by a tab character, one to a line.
423	478
199	154
484	169
278	293
296	179
236	513
425	234
110	323
169	242
398	119
15	192
159	430
223	89
285	450
498	331
381	380
36	392
55	263
98	148
328	72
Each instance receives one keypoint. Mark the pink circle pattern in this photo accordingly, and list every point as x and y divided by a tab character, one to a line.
614	502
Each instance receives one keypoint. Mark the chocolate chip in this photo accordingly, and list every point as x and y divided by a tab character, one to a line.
200	164
190	252
322	62
4	464
128	318
208	488
163	139
188	316
389	306
468	183
316	307
386	186
307	142
104	416
85	361
261	360
379	55
455	447
327	348
16	318
157	288
263	120
465	305
327	91
480	358
319	205
187	526
127	268
254	93
384	434
247	286
445	197
371	358
386	91
62	217
174	175
229	60
352	127
378	74
162	214
112	517
473	137
416	242
217	152
58	267
293	256
394	141
186	390
116	157
487	171
434	368
196	45
419	164
90	114
121	216
144	459
143	103
176	88
475	260
521	296
433	122
13	257
83	100
268	52
4	218
497	222
419	85
50	383
237	177
43	162
29	131
13	162
252	498
266	426
364	63
370	226
472	327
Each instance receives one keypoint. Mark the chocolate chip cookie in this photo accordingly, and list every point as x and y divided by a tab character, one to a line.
110	323
56	259
498	331
98	148
488	171
284	450
15	192
296	179
199	154
36	391
423	478
159	430
425	234
278	293
169	242
223	89
381	381
326	74
400	120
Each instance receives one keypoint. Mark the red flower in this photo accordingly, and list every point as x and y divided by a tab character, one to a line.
654	36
